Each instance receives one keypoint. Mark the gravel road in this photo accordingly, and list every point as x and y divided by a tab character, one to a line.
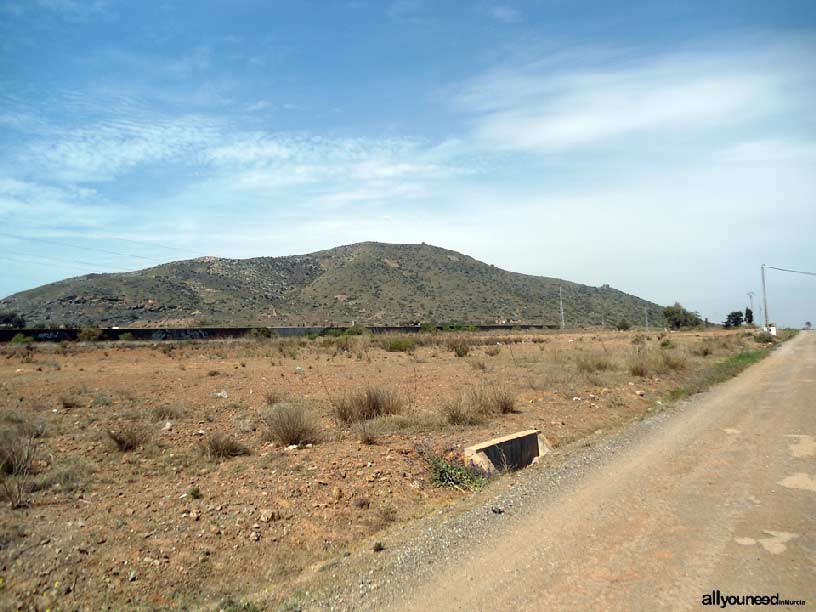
717	493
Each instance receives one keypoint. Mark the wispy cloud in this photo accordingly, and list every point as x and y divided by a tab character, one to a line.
504	14
542	107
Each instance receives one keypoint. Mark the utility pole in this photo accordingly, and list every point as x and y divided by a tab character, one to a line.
646	314
750	295
561	300
764	297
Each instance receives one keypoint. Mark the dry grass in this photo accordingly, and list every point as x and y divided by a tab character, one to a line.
288	424
369	404
222	446
167	412
129	439
639	366
594	362
19	448
493	350
458	411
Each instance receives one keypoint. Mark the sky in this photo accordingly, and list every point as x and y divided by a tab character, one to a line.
665	148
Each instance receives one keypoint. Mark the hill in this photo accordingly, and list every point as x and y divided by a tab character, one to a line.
368	283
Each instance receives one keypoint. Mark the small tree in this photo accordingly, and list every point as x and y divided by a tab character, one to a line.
11	319
808	325
676	317
749	316
623	325
734	319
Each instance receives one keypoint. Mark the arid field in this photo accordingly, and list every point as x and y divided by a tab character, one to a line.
185	475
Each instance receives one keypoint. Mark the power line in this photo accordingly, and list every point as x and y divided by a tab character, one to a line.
61	260
794	271
83	248
45	264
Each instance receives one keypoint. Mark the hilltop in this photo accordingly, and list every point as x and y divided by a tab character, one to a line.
369	283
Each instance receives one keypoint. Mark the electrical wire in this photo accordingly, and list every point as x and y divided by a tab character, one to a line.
794	271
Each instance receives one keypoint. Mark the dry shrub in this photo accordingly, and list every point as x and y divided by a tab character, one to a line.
478	364
478	404
638	366
493	350
594	362
274	397
458	411
222	446
365	433
674	362
369	404
19	448
167	413
129	439
288	424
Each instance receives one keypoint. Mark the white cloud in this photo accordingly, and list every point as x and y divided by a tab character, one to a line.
504	14
541	107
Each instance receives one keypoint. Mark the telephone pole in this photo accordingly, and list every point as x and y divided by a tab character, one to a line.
646	314
561	300
764	298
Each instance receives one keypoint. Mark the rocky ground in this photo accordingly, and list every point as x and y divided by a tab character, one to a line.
167	525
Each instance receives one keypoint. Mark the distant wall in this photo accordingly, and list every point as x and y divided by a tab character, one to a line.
209	333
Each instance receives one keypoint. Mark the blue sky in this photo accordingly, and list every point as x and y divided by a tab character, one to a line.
665	148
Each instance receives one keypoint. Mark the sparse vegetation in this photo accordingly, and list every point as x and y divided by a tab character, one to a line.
130	438
89	334
221	446
19	448
594	362
369	404
21	339
449	474
289	424
400	345
167	412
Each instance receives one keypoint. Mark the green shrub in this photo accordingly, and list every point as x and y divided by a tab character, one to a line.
447	474
127	337
89	334
760	338
21	339
666	344
260	333
400	345
623	325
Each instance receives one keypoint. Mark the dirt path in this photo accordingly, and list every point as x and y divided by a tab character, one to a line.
718	494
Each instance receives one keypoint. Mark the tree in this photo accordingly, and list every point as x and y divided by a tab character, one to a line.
749	316
11	319
734	319
808	325
623	325
676	317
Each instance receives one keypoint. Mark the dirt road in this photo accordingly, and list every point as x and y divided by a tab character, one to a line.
717	494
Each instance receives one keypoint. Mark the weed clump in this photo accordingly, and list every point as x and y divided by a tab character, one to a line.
594	362
454	475
366	405
19	448
222	446
400	345
288	424
129	439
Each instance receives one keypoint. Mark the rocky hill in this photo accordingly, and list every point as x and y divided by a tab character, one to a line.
368	283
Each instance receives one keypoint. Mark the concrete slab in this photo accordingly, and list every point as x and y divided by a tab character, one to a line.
511	452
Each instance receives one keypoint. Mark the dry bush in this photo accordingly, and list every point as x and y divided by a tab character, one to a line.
594	362
222	446
274	397
494	400
638	366
129	439
478	364
459	348
19	448
288	424
366	405
493	350
167	413
366	433
674	362
458	411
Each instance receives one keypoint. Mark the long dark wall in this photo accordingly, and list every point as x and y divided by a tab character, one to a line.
209	333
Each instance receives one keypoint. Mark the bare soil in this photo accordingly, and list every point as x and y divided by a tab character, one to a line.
167	525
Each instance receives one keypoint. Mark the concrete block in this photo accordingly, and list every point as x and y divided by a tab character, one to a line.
512	452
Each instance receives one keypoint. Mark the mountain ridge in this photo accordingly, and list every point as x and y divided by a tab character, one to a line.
367	282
